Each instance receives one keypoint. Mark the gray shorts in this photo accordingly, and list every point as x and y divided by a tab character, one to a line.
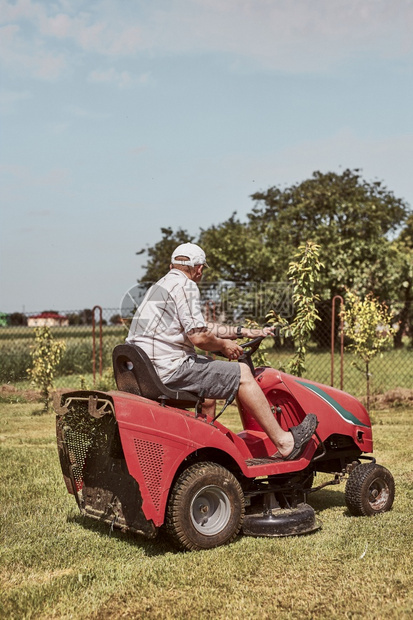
217	378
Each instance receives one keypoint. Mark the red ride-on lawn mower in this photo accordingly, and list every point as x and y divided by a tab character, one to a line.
145	457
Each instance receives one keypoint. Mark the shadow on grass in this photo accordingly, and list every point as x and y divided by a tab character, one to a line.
326	499
322	500
150	546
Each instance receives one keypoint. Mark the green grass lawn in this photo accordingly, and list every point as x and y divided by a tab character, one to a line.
57	564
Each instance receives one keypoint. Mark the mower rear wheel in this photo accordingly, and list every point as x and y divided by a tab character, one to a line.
205	508
369	490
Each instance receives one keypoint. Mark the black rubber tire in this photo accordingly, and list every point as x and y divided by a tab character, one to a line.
369	490
205	508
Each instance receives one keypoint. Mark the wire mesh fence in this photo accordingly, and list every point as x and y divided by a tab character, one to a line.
90	337
88	340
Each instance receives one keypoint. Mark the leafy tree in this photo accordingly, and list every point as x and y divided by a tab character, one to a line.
406	235
74	318
225	245
83	317
234	253
354	222
17	318
159	256
242	270
303	273
350	219
116	319
402	274
46	356
367	323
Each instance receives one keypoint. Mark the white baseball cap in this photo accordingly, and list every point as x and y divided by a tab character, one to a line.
195	254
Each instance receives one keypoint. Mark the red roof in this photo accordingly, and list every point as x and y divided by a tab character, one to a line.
48	315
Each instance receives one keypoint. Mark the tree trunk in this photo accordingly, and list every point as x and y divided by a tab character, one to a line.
368	387
404	316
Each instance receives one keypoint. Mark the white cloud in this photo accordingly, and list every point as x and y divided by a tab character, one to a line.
79	112
292	34
25	57
9	100
26	177
40	213
13	11
58	128
14	170
138	150
57	177
122	79
286	35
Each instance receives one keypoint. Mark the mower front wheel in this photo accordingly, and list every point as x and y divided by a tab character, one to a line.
205	508
369	490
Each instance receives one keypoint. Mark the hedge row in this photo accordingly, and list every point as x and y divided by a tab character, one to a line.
76	359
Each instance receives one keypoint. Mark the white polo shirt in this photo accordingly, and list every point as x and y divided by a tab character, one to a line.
170	309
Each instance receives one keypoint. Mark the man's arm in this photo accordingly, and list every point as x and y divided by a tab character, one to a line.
205	339
231	332
217	337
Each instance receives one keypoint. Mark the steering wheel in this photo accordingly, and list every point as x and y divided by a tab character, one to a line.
249	349
251	345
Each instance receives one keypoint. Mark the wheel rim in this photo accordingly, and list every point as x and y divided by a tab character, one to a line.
210	510
378	494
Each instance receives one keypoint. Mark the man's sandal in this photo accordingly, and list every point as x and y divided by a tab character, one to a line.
301	435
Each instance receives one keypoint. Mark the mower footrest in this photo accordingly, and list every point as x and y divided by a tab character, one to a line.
263	461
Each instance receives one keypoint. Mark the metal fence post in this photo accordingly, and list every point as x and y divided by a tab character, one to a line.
94	342
333	316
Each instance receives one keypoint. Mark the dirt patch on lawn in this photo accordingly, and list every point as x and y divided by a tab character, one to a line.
10	393
399	397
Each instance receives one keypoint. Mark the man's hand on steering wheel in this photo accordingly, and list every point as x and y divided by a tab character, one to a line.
231	349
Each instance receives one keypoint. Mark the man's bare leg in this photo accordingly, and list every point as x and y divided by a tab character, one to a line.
252	398
208	407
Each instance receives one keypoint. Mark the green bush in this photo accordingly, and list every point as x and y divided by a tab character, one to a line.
14	365
46	355
77	358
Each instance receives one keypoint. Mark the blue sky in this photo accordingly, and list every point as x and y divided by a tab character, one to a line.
119	117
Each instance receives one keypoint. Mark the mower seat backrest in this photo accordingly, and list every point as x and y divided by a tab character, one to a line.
134	373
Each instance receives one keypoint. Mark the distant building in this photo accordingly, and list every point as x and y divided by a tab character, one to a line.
47	319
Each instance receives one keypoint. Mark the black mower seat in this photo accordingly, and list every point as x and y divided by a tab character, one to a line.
134	373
